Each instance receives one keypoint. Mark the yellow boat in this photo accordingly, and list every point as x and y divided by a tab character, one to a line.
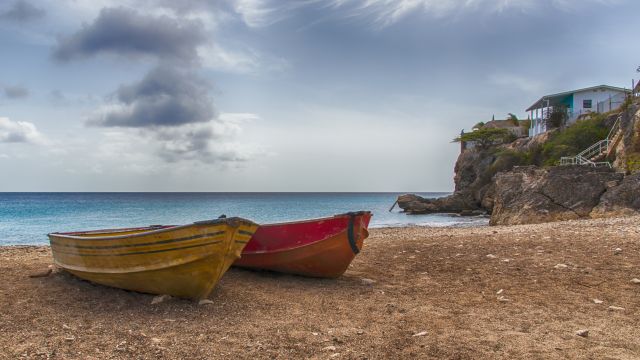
184	261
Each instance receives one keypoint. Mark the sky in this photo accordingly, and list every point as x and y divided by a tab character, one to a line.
274	95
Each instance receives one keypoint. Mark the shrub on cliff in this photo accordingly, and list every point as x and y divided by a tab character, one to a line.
505	160
573	139
484	138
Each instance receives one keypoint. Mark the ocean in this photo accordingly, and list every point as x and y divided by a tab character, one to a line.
26	218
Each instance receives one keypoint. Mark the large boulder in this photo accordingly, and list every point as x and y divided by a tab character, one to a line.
621	200
456	203
531	194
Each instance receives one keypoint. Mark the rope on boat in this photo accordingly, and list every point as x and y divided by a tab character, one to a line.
351	235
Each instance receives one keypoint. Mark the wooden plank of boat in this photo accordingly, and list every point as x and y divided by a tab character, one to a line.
318	247
184	261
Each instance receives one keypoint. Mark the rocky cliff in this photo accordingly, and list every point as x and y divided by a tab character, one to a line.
474	171
485	182
531	194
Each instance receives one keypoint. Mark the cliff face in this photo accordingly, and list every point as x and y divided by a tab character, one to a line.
474	189
469	188
628	150
484	183
531	194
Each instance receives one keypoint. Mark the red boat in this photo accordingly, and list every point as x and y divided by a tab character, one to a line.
318	247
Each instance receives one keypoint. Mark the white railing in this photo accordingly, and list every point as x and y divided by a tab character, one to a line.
587	156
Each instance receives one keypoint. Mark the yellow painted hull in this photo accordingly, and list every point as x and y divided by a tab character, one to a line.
184	261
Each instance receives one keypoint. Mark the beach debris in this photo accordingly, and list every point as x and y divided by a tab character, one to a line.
160	298
421	333
617	251
122	346
491	256
205	302
368	281
561	266
359	331
503	299
598	301
583	332
615	308
70	338
499	291
635	281
66	327
315	333
42	274
329	348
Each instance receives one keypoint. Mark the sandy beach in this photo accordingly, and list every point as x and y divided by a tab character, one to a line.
460	293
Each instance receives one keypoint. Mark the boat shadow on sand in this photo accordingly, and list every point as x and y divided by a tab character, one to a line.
63	290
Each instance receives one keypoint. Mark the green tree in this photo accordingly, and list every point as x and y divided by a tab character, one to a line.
487	137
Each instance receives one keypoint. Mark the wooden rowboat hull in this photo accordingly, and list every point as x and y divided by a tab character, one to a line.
183	261
317	248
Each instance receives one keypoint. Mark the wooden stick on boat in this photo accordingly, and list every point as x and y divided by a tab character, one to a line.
394	205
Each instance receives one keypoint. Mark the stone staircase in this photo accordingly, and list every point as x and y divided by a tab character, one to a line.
596	154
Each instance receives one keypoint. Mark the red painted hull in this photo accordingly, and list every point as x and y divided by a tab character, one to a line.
318	248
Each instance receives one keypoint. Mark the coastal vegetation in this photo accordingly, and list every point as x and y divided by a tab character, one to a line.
484	138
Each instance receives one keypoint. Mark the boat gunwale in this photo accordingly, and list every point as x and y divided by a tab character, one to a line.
292	248
302	221
223	221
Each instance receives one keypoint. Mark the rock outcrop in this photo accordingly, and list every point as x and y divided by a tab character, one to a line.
531	194
621	200
414	204
486	183
471	185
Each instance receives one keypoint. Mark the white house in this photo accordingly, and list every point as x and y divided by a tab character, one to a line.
601	98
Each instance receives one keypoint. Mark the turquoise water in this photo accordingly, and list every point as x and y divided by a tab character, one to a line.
26	218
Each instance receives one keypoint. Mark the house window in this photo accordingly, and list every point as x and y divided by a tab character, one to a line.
586	104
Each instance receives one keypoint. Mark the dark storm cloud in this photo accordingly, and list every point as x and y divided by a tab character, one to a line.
16	92
200	142
22	11
166	96
123	31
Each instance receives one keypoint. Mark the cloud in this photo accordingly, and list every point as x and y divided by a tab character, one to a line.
210	143
166	96
207	143
16	92
382	13
125	32
19	132
22	11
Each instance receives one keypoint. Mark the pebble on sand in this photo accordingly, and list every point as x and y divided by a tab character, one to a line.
367	281
205	302
499	291
635	281
329	348
561	266
583	333
491	256
421	333
598	301
160	298
613	308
